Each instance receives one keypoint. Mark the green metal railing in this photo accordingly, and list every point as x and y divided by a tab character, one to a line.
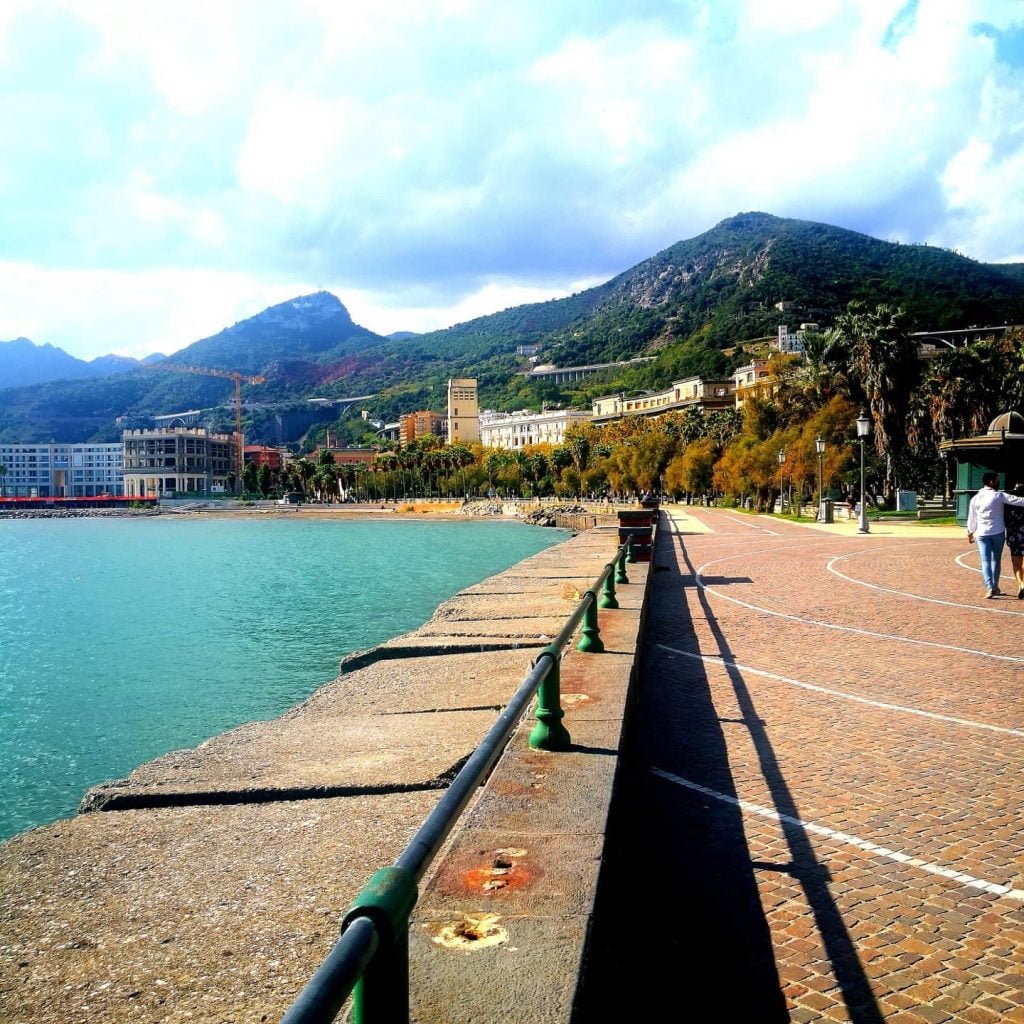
371	958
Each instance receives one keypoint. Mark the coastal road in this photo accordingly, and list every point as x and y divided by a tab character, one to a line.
820	813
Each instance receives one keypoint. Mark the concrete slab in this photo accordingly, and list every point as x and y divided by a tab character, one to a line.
304	754
527	627
206	914
462	679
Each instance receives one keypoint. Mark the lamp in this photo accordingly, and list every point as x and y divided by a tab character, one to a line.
819	445
863	429
782	489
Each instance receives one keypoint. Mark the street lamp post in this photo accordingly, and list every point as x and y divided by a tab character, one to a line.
782	481
820	446
863	429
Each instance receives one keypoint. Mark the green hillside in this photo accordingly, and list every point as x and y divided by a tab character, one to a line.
683	306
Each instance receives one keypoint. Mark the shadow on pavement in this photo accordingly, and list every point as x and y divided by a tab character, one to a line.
678	930
678	919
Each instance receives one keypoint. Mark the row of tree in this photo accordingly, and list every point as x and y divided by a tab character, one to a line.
867	362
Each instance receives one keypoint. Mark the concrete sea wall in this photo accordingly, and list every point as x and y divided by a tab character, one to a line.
209	883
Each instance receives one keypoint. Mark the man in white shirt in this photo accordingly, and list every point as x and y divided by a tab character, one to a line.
985	522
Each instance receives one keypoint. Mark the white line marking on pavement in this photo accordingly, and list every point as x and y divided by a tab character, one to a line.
717	660
830	566
831	625
843	837
970	568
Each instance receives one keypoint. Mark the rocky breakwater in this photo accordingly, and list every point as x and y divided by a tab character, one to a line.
209	883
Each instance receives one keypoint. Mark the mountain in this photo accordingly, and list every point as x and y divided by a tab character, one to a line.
687	303
299	346
23	362
308	329
683	306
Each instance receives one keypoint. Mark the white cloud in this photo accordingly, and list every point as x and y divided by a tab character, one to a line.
92	312
434	158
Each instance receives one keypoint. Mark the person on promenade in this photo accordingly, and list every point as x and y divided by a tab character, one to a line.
1014	518
986	522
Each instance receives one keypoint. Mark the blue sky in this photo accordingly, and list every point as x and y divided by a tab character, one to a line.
168	168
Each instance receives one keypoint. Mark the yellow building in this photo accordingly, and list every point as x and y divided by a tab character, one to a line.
463	411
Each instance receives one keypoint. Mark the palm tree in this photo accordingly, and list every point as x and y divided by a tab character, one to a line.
886	364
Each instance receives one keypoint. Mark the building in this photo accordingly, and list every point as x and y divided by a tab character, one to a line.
519	429
754	381
690	393
176	460
349	456
61	470
416	424
463	411
264	455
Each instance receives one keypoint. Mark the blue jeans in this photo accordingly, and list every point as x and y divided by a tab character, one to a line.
991	550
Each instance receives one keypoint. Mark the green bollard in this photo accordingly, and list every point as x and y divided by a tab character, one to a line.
620	569
608	598
549	733
630	557
381	995
590	641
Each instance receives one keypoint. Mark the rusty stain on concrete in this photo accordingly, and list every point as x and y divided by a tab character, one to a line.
502	872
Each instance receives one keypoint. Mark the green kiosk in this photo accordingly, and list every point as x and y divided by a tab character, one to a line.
1001	450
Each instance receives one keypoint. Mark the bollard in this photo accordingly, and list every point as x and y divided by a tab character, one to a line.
620	569
381	995
590	641
549	733
629	549
608	598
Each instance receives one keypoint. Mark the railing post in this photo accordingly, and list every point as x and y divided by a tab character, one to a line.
549	733
382	994
590	641
608	598
620	569
630	557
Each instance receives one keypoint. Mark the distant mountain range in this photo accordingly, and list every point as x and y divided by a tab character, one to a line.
683	306
23	362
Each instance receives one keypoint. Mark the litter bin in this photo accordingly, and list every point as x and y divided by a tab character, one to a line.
826	514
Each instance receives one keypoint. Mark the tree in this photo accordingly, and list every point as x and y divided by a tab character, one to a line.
887	368
249	477
264	479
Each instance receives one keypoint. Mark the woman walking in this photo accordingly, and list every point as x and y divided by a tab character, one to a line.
985	521
1014	519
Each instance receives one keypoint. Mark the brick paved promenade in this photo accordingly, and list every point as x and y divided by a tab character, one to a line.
820	815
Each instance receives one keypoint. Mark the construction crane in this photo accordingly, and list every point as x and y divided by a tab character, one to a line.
237	378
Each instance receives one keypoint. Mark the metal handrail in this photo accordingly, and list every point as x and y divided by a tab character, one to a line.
371	956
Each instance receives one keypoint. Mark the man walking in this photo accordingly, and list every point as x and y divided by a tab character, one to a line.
985	522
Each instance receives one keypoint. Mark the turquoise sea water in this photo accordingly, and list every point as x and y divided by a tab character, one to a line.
122	639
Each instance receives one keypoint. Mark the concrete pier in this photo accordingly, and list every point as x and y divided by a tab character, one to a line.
209	883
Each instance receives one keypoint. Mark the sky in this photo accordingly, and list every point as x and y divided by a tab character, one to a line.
169	168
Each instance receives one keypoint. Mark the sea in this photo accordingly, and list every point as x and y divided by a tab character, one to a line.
124	638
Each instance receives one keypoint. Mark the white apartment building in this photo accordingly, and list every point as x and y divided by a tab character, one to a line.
518	429
792	343
61	470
